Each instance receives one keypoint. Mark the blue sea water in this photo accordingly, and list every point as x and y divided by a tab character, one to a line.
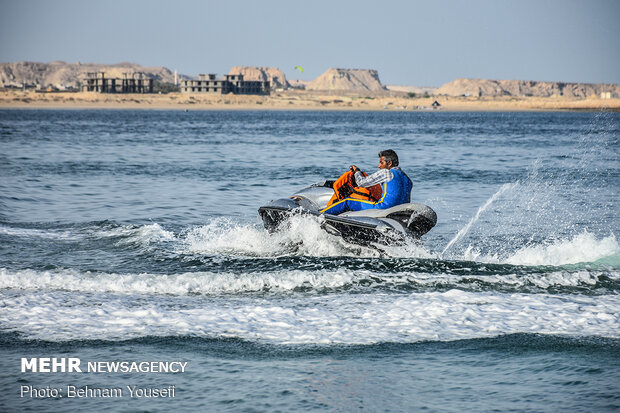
134	236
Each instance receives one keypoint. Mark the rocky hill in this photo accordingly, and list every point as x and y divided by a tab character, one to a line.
271	74
64	75
523	88
348	80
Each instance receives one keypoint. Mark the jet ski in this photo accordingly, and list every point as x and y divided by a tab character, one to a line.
392	226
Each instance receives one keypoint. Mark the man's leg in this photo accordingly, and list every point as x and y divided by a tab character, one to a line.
348	204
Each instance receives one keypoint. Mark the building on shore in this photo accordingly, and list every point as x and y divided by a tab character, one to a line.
229	84
134	82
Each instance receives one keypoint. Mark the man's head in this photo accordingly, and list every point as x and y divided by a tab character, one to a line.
388	159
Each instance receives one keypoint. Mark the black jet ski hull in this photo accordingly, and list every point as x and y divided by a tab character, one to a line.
351	230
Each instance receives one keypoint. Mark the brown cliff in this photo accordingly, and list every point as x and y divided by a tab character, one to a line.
64	75
525	88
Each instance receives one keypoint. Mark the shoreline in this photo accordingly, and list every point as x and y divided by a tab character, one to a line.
297	100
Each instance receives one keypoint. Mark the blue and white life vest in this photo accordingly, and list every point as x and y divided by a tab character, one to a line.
396	191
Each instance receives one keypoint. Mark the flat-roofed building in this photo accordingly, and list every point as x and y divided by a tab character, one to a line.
208	83
132	82
136	82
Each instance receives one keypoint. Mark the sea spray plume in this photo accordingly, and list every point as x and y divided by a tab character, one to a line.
223	236
552	204
307	234
559	199
483	208
298	236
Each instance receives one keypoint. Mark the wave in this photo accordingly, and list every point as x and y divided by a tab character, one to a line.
303	237
583	248
38	233
140	234
143	235
220	236
228	347
419	278
338	319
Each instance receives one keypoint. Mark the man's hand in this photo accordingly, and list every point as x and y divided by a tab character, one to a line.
354	169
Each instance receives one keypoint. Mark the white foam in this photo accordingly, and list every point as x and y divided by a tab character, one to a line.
144	234
300	236
553	279
582	248
176	284
282	281
39	233
224	236
341	318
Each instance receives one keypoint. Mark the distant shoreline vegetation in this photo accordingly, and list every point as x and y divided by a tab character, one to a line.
165	87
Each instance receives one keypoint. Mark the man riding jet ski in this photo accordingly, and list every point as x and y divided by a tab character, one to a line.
361	209
393	185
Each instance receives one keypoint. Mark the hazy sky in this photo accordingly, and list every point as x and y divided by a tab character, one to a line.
422	43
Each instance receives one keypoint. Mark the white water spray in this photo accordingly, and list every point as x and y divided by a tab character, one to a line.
466	228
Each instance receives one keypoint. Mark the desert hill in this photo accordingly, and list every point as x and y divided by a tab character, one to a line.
67	75
348	80
524	88
271	74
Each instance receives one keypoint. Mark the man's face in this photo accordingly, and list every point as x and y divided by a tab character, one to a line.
383	164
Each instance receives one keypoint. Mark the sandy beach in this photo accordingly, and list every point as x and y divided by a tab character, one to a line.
294	100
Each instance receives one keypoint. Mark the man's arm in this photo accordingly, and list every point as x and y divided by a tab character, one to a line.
377	178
